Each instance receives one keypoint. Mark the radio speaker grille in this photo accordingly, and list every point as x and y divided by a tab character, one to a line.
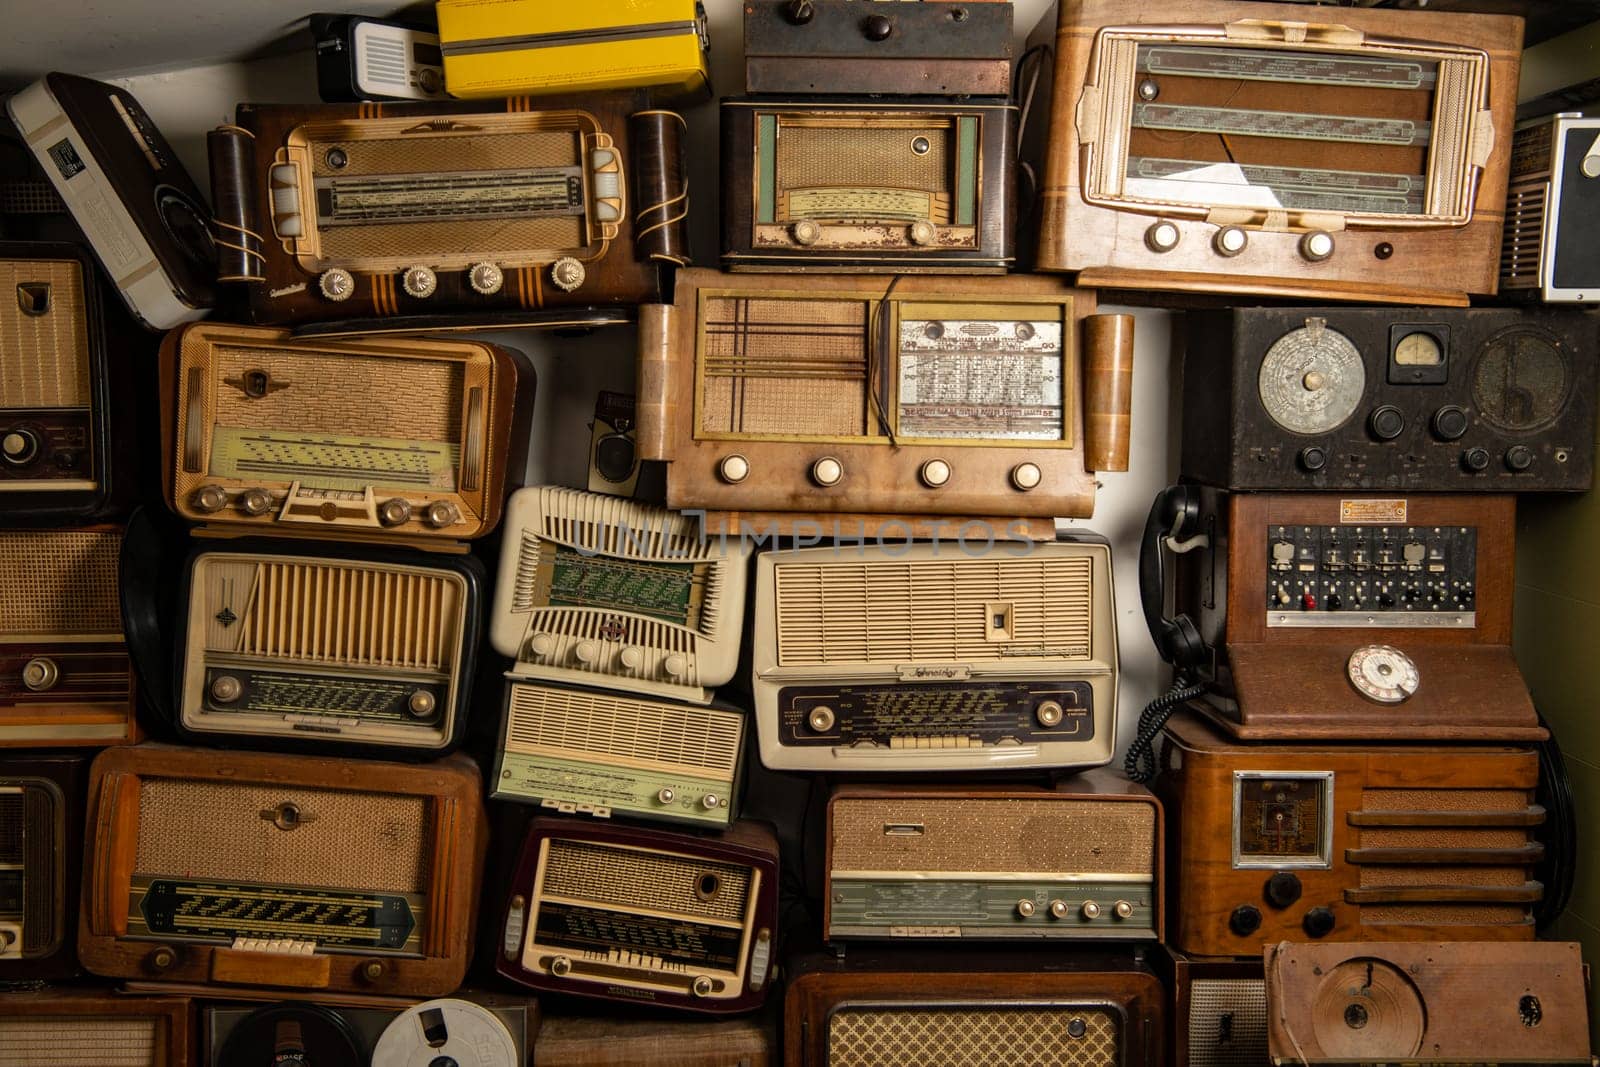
222	831
12	832
972	1037
1227	1022
633	878
865	156
59	582
44	359
1522	244
938	610
623	726
78	1041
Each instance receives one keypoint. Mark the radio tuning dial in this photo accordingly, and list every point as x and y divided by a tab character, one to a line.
805	232
441	513
1162	236
1049	713
923	233
733	469
827	472
225	689
395	511
419	282
421	703
337	284
1316	246
1090	910
1449	423
1311	379
210	498
20	447
1025	908
821	719
1230	241
485	278
41	674
254	501
561	966
1383	674
567	274
935	473
1026	476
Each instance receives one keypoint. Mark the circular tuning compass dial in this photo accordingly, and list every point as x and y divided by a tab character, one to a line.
1383	673
1312	379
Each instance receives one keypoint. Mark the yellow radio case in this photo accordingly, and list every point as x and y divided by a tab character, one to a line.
511	47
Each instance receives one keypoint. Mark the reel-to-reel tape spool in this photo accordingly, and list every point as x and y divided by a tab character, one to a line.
446	1031
489	1031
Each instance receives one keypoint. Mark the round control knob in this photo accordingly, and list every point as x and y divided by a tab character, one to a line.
1025	908
733	469
225	689
677	665
877	27
1312	459
561	966
395	511
710	802
1318	922
162	959
827	472
821	719
441	513
923	233
1060	909
702	986
934	473
587	651
372	971
1245	920
1049	713
419	282
567	274
1386	422
666	795
1449	423
1122	909
1230	241
1090	910
1162	236
421	703
210	498
485	278
632	657
337	284
1026	476
799	12
1282	889
40	674
1316	246
541	644
1518	458
1475	460
19	447
253	501
805	232
428	80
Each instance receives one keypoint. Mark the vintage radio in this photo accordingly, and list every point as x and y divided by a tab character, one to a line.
629	914
65	676
349	211
329	650
505	47
1348	842
1273	149
96	1028
141	212
913	1008
1550	205
911	396
600	591
930	657
604	754
377	439
922	186
641	1042
980	863
57	455
1219	1010
480	1030
376	59
614	444
1485	400
1319	615
913	49
1430	1005
281	871
41	847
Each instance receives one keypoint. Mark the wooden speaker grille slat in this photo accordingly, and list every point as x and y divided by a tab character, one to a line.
784	367
624	726
12	834
631	878
59	582
1227	1022
76	1041
44	359
972	1037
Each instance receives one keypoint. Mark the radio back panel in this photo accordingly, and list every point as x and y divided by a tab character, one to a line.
281	871
644	915
352	211
929	863
601	591
912	396
1549	208
261	433
1480	400
933	658
1244	150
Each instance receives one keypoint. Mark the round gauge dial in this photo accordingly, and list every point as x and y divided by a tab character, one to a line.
1312	380
1520	381
1383	673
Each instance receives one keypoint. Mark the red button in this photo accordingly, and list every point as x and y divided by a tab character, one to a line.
1308	601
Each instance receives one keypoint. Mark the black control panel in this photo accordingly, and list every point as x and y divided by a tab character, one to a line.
1371	575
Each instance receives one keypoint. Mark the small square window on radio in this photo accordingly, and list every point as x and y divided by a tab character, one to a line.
998	625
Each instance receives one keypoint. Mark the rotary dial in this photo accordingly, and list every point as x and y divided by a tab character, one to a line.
1312	379
1383	673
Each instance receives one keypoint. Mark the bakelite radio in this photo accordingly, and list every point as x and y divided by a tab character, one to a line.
41	849
97	1028
1275	149
278	871
261	434
538	208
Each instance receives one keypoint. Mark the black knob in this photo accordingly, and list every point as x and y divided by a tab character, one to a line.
1318	922
877	27
1449	423
1334	602
1475	460
799	12
1519	458
1245	920
1282	890
1386	600
1386	423
1312	459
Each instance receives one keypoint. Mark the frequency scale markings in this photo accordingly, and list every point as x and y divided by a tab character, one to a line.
1246	122
1310	68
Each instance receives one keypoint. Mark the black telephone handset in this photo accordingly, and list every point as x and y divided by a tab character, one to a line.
1175	513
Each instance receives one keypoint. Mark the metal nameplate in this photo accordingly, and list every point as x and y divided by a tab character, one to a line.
1310	68
686	942
332	461
981	378
328	701
950	715
219	912
1247	122
484	194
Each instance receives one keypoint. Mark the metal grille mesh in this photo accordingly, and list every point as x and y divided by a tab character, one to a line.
574	721
631	878
972	1037
76	1041
784	367
59	582
1227	1022
871	156
44	359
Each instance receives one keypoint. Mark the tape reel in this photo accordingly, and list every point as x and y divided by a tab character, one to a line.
446	1033
1367	1009
299	1031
